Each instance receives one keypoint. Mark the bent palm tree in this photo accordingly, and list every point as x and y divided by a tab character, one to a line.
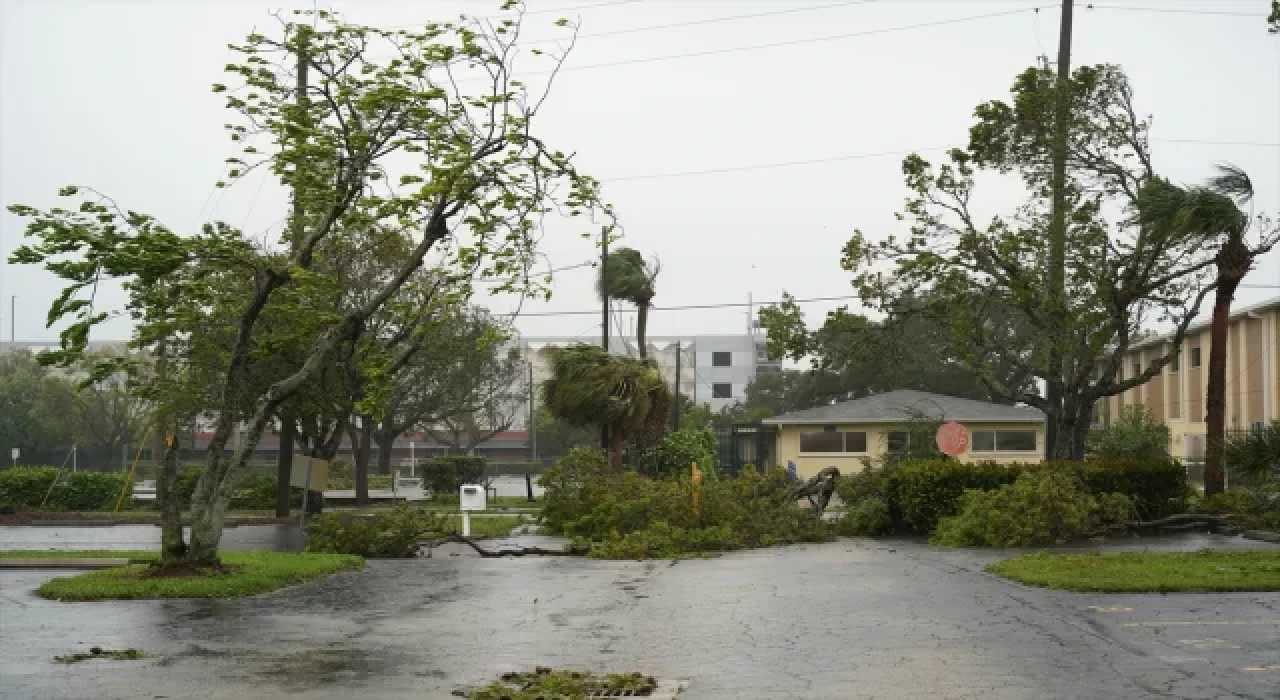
630	278
1212	212
588	386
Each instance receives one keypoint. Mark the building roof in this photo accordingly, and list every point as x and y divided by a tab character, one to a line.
1197	326
905	404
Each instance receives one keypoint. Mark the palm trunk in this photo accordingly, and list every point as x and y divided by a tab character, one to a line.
1229	276
642	325
172	547
284	464
364	439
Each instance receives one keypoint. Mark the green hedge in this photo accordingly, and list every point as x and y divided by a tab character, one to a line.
25	487
444	475
919	493
255	491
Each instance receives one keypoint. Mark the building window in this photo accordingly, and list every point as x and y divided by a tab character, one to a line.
722	391
762	352
899	441
1137	369
1004	441
830	440
1195	358
721	359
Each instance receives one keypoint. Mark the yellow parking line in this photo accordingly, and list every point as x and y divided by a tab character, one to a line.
1275	667
1199	623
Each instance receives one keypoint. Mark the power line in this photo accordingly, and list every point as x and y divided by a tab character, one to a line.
1175	10
741	304
711	20
797	42
881	154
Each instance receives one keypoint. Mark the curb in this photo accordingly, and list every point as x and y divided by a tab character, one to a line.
84	563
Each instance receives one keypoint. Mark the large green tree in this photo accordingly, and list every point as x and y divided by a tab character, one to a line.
984	278
854	356
588	386
391	133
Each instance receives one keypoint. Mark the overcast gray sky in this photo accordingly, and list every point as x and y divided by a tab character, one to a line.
116	95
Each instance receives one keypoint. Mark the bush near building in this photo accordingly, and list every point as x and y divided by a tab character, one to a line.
914	496
627	515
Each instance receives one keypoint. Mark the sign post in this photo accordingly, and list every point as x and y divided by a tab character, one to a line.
953	439
14	454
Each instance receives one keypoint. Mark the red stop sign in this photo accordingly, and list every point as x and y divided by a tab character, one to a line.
953	438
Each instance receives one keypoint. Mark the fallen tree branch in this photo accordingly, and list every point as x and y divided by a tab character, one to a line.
822	485
517	552
1181	521
1261	535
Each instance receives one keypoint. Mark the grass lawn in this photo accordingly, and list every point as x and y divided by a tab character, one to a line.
1147	572
251	573
496	526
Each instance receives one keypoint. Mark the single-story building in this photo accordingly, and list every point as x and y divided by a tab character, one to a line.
842	434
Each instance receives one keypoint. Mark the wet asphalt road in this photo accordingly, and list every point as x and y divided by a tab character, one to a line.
851	619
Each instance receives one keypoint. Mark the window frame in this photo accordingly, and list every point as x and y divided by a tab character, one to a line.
995	442
1195	358
726	354
719	384
844	441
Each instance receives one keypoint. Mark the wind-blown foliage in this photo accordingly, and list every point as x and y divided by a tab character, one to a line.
630	278
386	134
588	386
984	280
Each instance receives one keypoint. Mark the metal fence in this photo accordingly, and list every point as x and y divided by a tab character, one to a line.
745	444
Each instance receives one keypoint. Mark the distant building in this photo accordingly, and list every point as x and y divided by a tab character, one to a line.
1176	395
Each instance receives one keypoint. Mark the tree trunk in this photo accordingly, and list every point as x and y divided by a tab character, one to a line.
615	448
172	547
284	464
642	325
361	449
1080	432
1233	264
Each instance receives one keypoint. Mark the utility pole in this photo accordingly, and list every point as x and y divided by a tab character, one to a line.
533	419
604	314
1058	232
288	425
678	354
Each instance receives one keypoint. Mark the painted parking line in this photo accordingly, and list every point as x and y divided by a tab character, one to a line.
1113	609
1203	623
1255	669
1209	643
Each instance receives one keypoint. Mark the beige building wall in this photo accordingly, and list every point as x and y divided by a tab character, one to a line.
808	464
1178	398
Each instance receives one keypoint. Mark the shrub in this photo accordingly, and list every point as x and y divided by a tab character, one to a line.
1253	509
342	476
253	492
1041	507
629	515
866	518
392	533
26	487
1136	434
679	449
918	493
445	475
1255	456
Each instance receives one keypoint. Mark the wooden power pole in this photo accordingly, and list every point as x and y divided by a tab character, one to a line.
1058	233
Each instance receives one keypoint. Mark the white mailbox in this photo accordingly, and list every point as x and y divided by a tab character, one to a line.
472	497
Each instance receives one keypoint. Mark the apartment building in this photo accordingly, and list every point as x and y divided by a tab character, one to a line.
1176	396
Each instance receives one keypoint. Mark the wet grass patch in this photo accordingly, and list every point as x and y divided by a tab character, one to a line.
1147	572
548	683
96	653
245	574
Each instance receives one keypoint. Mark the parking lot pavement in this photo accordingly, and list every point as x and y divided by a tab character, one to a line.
850	619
